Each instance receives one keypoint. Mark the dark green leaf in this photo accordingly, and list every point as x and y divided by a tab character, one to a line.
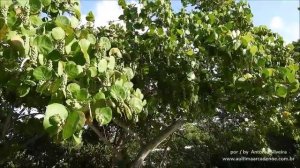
74	121
90	17
44	44
35	6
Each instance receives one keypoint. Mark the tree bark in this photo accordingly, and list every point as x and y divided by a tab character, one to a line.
138	162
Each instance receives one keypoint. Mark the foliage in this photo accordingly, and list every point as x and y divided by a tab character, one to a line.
71	67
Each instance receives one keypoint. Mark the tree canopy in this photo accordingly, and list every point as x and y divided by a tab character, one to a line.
206	78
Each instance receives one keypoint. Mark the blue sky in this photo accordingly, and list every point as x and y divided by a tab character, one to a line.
282	16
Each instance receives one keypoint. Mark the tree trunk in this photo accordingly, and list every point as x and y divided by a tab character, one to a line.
138	162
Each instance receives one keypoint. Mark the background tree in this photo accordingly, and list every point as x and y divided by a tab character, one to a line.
229	83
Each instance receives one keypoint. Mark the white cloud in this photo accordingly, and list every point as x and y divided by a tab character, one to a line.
107	11
291	32
276	23
288	30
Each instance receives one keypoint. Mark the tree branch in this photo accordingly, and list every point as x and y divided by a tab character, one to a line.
155	142
100	136
125	127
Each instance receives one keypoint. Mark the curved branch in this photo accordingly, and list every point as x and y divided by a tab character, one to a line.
155	142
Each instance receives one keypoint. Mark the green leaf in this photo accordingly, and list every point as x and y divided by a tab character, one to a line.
74	121
253	50
127	111
58	33
246	39
103	115
52	110
190	52
23	90
295	86
90	17
268	72
44	44
35	6
93	71
291	77
64	23
91	38
99	96
111	63
118	92
84	45
82	95
36	20
180	31
104	43
56	85
73	88
54	55
73	70
129	73
281	90
74	22
46	2
136	104
115	52
42	73
102	65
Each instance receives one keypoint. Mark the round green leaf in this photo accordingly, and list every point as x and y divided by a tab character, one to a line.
35	6
58	33
91	38
52	110
129	73
46	2
73	88
42	73
104	43
99	96
64	23
115	52
281	90
44	44
103	115
118	92
136	104
73	70
82	95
